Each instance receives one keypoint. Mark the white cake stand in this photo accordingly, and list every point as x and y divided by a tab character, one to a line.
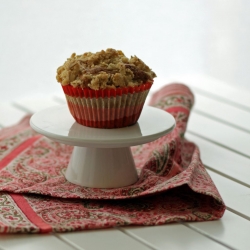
101	157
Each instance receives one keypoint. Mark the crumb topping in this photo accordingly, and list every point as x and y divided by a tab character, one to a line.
104	69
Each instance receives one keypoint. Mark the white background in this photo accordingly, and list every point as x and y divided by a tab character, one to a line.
175	37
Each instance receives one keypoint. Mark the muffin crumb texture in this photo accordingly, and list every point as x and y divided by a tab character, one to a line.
104	69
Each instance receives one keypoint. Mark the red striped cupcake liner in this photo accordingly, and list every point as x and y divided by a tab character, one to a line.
106	108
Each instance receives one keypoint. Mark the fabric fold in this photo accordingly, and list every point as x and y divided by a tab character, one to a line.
173	184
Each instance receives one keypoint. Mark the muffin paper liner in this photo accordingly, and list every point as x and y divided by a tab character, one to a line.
108	108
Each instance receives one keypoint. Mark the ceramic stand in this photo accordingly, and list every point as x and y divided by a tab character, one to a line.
101	157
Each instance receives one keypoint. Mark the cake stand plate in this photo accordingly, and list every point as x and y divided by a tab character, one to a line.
101	157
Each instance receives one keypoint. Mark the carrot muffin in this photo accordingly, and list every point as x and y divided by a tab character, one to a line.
105	89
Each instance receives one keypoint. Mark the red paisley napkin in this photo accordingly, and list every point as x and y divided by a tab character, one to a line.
173	184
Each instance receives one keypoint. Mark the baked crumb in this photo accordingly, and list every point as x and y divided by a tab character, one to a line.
104	69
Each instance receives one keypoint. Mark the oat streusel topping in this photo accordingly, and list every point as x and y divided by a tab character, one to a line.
104	69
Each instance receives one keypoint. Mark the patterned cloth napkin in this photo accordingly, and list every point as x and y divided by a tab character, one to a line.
173	184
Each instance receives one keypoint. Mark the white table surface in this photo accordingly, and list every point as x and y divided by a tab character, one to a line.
220	126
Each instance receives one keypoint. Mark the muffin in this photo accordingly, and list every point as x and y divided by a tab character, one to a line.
105	89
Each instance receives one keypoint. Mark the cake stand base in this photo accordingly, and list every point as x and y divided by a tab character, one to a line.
101	167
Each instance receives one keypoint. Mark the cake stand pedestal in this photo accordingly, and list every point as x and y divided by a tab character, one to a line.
101	157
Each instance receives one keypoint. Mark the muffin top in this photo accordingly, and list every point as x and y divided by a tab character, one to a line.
104	69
